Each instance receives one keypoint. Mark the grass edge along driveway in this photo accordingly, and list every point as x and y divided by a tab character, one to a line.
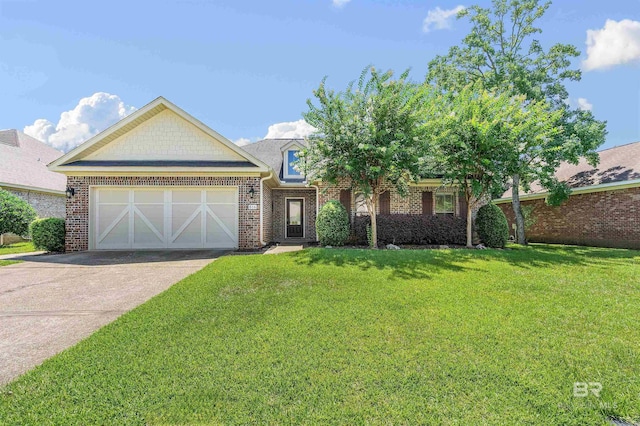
358	336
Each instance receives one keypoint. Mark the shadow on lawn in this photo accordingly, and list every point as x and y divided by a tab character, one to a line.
424	264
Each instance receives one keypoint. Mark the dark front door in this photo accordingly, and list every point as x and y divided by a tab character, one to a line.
295	218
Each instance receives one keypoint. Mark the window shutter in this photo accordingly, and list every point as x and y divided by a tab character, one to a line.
462	201
345	200
385	203
427	203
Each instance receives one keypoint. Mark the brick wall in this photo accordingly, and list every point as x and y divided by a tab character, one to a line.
607	219
267	216
279	197
45	205
77	220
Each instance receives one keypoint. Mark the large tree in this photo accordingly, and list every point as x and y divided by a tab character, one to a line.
15	214
368	135
474	132
502	53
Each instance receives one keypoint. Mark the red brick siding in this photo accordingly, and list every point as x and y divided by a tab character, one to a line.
267	215
606	219
279	215
77	219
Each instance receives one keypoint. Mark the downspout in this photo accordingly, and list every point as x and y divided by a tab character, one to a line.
317	205
262	208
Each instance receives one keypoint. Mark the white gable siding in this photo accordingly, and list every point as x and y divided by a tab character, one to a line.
166	136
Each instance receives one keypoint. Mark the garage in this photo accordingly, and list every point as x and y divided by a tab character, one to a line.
161	218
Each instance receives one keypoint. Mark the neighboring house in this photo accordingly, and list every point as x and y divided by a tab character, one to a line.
23	171
603	209
160	178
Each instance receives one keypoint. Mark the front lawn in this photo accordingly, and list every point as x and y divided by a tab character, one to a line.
356	336
24	247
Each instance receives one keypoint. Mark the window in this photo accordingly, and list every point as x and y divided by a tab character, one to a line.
290	157
361	205
444	204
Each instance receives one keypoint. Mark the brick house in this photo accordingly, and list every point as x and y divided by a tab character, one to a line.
160	178
603	209
23	172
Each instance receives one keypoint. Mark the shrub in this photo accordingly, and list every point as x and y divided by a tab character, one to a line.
48	234
413	229
492	226
332	224
15	214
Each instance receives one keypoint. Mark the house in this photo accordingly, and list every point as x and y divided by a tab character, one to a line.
602	210
23	172
160	178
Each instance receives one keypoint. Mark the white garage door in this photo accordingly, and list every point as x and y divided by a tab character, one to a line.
149	218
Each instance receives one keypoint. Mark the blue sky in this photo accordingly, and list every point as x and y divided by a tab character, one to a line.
243	66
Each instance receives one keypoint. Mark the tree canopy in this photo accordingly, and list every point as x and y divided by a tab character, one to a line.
367	135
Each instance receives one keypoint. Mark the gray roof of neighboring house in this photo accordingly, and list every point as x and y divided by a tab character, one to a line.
617	164
23	161
269	151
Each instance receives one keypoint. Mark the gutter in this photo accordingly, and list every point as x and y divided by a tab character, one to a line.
612	186
262	207
31	188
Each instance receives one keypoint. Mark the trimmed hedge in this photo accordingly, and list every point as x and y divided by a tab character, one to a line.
48	234
15	214
332	224
414	229
492	226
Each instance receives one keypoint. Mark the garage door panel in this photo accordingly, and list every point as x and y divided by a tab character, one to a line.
166	218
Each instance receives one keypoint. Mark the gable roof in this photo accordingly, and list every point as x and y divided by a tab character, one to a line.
270	151
23	163
75	158
618	165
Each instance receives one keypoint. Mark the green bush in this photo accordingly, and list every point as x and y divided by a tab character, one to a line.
492	226
48	234
15	214
332	224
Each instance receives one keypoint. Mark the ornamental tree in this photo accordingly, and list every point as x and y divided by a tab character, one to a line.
501	52
368	135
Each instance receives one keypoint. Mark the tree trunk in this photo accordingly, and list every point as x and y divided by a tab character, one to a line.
517	210
371	205
469	222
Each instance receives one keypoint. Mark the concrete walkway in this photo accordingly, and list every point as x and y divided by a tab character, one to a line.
17	255
50	302
284	249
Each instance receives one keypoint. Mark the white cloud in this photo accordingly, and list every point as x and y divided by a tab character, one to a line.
584	104
290	130
91	116
340	3
440	19
616	44
243	141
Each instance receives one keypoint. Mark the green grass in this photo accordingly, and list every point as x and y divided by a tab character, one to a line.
8	262
24	247
354	337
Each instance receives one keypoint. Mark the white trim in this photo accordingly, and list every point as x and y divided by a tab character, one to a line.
302	212
612	186
4	185
158	102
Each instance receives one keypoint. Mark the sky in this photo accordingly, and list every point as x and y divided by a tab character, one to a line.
69	69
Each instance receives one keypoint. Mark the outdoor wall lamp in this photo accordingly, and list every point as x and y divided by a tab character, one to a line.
252	191
70	192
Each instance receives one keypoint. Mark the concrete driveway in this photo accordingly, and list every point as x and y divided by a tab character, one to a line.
50	302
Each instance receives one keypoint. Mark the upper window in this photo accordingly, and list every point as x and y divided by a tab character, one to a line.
290	157
444	204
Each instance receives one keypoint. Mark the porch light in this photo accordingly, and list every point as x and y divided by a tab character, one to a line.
252	191
70	192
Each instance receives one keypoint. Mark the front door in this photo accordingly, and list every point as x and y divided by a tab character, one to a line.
295	219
